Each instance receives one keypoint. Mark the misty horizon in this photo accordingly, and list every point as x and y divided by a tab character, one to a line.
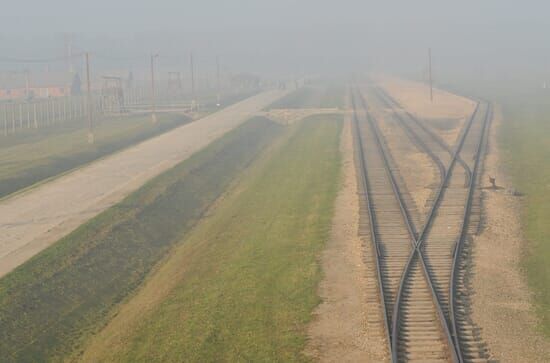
492	39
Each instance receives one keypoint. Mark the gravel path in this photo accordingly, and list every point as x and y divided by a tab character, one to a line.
31	221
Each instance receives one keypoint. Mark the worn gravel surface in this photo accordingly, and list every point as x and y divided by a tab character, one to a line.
446	114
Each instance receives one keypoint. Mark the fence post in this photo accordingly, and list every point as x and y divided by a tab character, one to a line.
21	116
47	112
35	116
70	102
13	118
5	120
28	115
54	113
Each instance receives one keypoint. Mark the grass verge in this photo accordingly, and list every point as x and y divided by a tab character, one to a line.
33	156
50	304
319	96
525	142
242	285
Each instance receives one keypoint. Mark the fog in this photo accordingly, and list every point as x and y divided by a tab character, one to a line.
478	39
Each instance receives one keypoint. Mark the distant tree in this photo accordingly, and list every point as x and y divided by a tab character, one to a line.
76	86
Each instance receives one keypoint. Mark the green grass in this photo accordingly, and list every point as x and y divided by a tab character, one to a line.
525	142
55	300
35	155
248	276
327	96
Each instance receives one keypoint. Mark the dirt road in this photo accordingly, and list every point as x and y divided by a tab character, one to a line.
31	221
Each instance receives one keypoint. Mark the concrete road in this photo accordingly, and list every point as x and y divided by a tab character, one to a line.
33	220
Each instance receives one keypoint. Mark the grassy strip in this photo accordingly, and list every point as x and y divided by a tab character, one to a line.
52	302
245	280
525	142
28	158
320	96
297	99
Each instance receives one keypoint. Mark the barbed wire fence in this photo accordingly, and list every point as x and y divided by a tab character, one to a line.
107	95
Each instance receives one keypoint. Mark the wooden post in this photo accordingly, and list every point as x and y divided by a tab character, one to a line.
153	103
192	65
21	116
5	120
64	108
28	115
89	94
13	118
35	116
430	73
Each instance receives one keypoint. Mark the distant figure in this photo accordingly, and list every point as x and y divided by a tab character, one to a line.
493	182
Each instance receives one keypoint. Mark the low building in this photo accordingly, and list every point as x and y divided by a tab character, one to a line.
29	85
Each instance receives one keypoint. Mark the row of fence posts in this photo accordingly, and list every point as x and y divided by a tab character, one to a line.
16	116
19	115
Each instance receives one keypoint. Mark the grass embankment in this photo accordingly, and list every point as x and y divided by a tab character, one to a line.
35	155
50	304
525	142
328	96
242	285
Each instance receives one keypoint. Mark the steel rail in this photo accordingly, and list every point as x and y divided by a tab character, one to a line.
414	252
464	231
453	342
392	103
456	354
416	139
370	208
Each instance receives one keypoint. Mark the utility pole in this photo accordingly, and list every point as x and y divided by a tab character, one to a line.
69	51
27	84
430	73
191	63
153	103
89	96
218	79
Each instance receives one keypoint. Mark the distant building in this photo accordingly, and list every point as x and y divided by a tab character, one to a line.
18	85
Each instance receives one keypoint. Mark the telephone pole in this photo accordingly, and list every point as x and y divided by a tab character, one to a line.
218	78
69	50
153	103
430	73
89	97
191	63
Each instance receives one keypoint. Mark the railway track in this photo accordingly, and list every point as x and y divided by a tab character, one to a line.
442	149
421	273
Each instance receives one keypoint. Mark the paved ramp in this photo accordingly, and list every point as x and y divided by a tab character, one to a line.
31	221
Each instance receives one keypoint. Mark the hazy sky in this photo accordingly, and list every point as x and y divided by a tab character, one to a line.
297	36
130	16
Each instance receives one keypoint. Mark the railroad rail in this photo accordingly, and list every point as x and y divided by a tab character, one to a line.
419	307
396	107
